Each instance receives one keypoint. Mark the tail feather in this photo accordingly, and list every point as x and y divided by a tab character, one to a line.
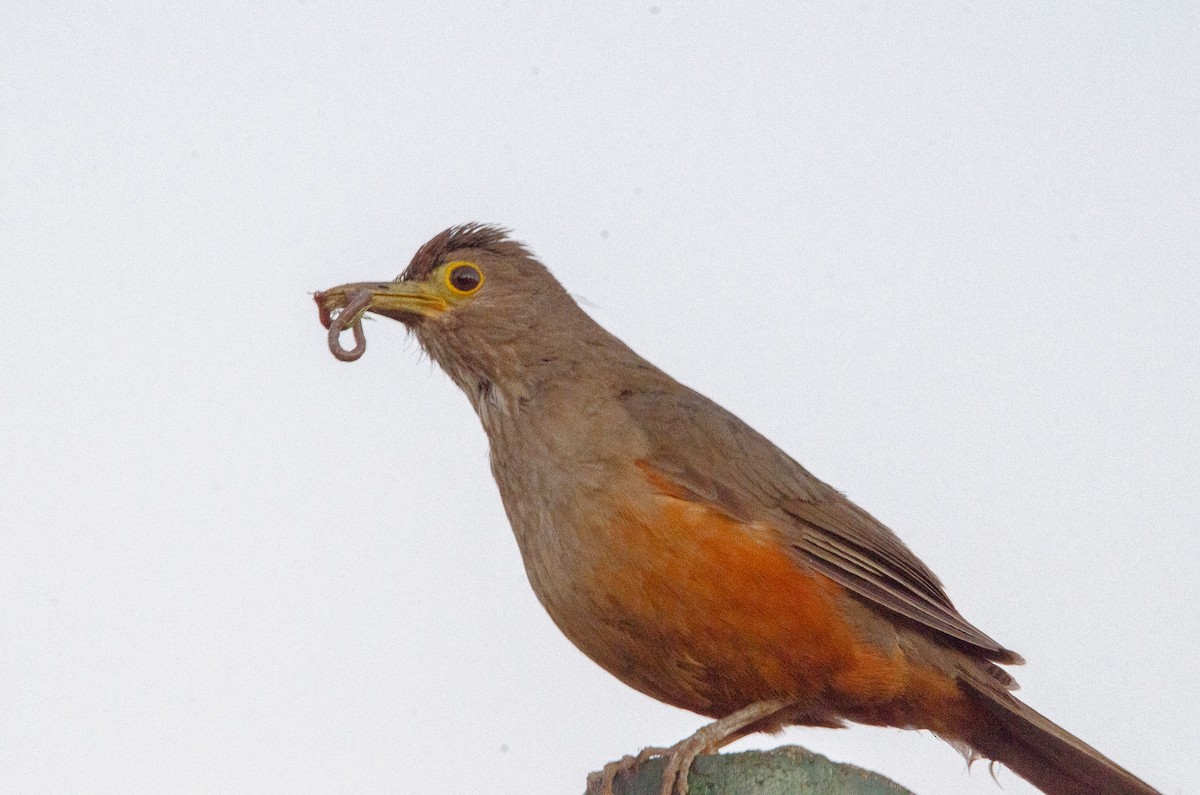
1004	729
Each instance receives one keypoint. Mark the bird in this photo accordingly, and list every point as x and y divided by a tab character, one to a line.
687	554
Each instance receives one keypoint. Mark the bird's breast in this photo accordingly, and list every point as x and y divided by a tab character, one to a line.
690	606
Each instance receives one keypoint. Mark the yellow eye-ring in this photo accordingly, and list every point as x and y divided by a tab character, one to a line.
463	278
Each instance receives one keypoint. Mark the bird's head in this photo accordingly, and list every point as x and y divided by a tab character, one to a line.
477	301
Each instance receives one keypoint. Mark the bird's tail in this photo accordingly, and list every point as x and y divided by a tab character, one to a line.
1001	728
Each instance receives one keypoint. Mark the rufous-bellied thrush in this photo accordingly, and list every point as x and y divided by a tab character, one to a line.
687	554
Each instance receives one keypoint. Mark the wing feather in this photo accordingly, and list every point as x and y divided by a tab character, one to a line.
708	452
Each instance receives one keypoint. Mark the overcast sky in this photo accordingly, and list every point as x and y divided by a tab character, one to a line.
947	257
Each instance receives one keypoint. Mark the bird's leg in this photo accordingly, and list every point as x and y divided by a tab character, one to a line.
679	757
348	316
710	739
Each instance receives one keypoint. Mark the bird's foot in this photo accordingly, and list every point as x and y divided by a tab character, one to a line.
601	782
679	757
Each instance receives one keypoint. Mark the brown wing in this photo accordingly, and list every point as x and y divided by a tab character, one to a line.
712	454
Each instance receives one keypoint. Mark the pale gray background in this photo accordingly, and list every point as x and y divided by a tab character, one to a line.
946	256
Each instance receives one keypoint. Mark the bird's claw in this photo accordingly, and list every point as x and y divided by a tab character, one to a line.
678	759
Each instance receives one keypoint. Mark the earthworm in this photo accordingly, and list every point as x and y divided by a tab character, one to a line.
356	304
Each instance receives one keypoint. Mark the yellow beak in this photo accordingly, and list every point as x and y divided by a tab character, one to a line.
391	299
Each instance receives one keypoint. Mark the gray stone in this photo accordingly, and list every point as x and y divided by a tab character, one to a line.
789	770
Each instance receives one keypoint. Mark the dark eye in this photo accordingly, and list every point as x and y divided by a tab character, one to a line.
464	278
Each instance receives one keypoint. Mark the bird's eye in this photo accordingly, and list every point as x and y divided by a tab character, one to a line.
463	278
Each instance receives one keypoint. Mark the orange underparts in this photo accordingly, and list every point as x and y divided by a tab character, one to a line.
714	614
